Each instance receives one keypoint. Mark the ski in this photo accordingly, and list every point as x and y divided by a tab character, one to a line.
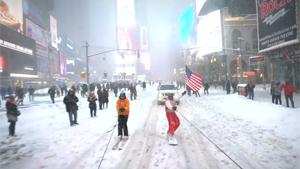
122	144
116	145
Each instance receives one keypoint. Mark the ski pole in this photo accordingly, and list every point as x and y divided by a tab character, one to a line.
107	145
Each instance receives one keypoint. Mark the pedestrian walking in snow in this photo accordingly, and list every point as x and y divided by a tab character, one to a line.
71	106
20	95
227	85
250	90
105	98
133	92
31	92
115	88
123	109
289	90
272	91
234	86
173	120
51	92
92	104
206	87
12	114
144	85
84	89
100	94
277	93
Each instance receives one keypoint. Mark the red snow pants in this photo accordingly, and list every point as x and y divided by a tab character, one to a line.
173	121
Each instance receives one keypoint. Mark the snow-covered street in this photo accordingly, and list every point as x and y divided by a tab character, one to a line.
217	131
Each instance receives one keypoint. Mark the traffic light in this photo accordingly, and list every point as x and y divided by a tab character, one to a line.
82	74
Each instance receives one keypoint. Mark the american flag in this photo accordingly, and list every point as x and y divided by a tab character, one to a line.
192	80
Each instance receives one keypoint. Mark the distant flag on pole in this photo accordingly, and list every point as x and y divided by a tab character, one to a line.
192	80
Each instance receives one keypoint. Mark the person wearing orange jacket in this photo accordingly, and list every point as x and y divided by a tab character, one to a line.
123	107
289	89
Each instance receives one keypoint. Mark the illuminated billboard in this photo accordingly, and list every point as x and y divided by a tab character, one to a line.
18	54
40	36
125	38
2	62
53	31
11	14
186	23
125	13
209	31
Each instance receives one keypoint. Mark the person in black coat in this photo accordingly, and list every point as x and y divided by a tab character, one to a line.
12	114
105	98
92	104
31	92
250	89
115	88
133	92
227	84
52	92
206	87
144	85
71	106
20	94
100	94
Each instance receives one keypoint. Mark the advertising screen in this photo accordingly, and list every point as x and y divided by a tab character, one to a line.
35	13
18	52
1	63
40	36
11	14
186	22
277	24
53	31
209	33
125	38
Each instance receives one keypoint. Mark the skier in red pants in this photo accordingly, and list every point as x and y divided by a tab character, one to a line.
173	120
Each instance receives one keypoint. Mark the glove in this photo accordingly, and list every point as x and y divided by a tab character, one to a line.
174	108
183	93
122	110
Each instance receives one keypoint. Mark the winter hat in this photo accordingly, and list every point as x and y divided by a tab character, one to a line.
122	95
71	91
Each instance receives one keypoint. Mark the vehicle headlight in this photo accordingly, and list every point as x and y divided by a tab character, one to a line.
160	96
176	95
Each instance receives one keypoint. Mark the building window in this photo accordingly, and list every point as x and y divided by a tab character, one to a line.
236	34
